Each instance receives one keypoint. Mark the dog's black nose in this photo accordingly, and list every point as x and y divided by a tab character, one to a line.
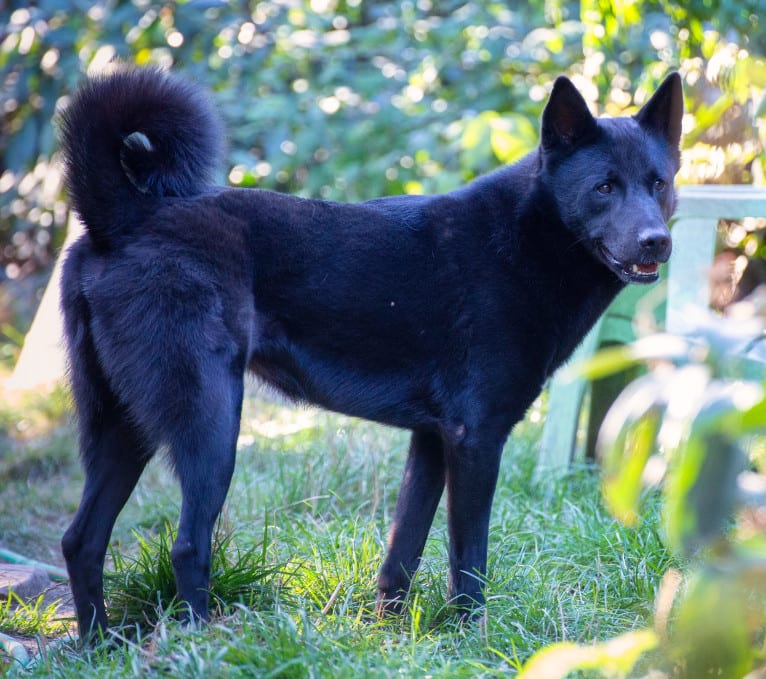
654	239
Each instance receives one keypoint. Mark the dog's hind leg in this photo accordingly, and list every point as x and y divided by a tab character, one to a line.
204	454
114	457
419	496
113	451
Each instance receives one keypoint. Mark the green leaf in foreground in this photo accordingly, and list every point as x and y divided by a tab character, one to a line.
715	624
700	491
615	657
626	441
621	357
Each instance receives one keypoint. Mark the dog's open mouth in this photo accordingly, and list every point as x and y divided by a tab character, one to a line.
630	272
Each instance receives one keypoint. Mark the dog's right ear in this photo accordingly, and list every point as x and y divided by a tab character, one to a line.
567	122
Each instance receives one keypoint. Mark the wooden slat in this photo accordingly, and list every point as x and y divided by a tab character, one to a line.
688	277
721	202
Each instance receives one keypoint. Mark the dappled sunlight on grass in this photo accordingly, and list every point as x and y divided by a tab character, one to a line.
39	616
26	415
273	422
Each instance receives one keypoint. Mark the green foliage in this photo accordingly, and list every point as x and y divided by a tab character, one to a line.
350	100
719	625
687	426
615	657
31	617
698	414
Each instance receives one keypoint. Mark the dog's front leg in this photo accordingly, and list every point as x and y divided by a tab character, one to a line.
422	487
472	469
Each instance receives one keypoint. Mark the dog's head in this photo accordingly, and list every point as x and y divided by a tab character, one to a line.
612	179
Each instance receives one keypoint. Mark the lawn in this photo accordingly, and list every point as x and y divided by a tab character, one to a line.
298	546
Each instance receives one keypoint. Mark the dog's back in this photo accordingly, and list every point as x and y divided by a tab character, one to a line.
440	314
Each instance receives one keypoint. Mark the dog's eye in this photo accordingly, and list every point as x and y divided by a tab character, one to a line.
659	184
604	188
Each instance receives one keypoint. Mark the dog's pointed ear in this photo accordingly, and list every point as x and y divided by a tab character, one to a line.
664	112
567	122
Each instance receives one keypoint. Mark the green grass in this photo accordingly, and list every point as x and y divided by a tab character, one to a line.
297	551
30	618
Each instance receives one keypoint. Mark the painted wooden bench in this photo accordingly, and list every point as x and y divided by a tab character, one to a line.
688	287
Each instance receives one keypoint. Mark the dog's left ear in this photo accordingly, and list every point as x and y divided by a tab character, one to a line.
663	113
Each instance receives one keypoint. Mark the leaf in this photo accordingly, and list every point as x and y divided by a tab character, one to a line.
761	110
622	488
616	656
701	486
711	634
753	419
604	363
477	133
626	441
677	411
506	137
506	148
707	117
699	503
619	358
638	398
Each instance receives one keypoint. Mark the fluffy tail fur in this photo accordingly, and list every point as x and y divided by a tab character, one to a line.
130	138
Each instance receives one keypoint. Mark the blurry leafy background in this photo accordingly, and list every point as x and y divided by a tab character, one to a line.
352	99
355	99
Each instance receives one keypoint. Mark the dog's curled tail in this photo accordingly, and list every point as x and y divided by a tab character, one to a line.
130	138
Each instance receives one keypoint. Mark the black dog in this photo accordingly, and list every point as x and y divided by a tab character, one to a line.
439	314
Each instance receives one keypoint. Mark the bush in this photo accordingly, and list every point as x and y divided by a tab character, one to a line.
687	428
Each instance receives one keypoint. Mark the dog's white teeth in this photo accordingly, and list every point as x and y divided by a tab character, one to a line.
644	269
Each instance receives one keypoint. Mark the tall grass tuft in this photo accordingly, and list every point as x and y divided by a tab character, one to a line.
142	586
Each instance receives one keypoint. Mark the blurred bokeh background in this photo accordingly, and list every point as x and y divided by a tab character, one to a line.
353	99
